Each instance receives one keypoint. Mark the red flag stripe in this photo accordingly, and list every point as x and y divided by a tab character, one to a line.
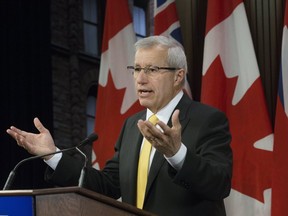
218	10
286	15
113	24
116	99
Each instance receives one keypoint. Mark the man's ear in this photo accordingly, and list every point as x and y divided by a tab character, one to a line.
179	75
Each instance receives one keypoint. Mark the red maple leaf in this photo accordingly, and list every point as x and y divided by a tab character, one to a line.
249	123
109	120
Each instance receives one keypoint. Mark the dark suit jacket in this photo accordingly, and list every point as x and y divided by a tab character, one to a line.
197	189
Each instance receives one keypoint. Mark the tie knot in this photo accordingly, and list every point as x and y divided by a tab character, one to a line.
153	119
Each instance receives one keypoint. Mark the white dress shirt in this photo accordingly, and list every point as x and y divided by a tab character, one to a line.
177	160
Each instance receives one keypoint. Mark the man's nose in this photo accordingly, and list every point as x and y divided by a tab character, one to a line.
142	76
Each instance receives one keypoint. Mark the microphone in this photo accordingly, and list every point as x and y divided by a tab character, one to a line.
91	138
83	170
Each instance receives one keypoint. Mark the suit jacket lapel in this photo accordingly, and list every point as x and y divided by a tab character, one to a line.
136	137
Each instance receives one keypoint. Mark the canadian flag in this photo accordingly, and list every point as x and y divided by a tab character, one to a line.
166	23
231	82
116	99
280	172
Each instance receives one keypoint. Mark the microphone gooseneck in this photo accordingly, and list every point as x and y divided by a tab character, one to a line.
83	170
91	138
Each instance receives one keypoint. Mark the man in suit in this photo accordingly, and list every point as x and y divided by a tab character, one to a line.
190	163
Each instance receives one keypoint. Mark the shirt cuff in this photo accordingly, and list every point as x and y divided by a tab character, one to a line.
54	160
177	160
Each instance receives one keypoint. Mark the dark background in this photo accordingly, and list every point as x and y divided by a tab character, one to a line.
26	90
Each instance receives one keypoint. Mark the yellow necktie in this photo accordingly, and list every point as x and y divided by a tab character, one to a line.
143	165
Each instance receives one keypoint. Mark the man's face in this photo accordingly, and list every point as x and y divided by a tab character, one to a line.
154	90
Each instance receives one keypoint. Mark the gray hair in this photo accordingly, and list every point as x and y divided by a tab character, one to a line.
176	56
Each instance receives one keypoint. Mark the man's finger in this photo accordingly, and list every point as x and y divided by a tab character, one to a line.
40	127
175	119
13	131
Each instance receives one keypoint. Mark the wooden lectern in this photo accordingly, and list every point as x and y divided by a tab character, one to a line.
63	201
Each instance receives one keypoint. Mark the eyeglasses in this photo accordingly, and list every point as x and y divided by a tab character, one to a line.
149	70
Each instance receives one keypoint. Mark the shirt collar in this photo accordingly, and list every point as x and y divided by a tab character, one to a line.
165	113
